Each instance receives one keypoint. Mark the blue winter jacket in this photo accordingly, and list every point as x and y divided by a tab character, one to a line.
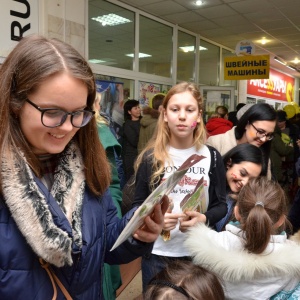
21	275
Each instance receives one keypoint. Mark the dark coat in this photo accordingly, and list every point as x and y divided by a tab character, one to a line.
33	225
131	132
279	150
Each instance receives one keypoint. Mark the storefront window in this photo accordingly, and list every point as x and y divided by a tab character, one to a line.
223	82
186	57
155	51
111	35
209	64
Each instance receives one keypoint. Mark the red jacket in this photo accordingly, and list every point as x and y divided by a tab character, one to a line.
216	126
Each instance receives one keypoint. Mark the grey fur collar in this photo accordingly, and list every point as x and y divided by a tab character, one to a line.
237	265
30	211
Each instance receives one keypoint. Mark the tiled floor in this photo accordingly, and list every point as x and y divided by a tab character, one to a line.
133	290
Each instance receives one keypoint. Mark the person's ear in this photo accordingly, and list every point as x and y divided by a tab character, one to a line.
237	213
165	115
280	221
199	116
229	163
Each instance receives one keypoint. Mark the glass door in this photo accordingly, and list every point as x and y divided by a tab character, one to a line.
214	96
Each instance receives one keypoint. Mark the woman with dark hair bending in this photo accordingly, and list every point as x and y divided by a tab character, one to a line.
242	162
253	256
256	126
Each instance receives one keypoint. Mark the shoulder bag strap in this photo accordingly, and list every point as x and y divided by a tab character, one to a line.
54	280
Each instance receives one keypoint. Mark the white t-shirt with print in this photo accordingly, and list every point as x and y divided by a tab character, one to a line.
174	247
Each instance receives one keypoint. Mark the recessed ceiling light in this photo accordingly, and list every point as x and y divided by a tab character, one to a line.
191	48
291	67
199	2
97	61
111	20
281	61
263	41
296	61
141	55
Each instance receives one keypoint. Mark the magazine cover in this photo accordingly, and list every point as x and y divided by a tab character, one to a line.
195	201
148	205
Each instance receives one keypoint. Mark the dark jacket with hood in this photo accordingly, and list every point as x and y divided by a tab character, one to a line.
148	126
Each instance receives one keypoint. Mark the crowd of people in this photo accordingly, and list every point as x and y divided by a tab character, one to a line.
64	172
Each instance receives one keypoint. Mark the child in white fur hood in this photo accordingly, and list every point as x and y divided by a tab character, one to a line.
253	257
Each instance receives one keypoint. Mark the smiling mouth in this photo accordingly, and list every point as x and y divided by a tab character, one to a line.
238	184
58	136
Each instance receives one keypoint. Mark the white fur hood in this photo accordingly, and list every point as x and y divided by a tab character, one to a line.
223	253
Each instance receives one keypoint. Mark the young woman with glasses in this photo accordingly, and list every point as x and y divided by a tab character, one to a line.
57	218
256	126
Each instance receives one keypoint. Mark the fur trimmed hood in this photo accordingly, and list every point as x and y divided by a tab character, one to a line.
147	120
215	251
29	206
154	113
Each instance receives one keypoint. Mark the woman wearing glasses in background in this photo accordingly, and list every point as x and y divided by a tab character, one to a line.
57	218
256	126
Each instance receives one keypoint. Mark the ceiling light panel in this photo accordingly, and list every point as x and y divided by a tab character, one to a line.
111	20
191	48
141	55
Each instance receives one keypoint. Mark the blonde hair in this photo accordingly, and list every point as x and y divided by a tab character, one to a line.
99	119
156	149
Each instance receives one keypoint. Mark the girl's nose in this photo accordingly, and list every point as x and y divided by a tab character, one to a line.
182	114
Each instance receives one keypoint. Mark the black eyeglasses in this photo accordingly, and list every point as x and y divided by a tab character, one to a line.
261	134
54	117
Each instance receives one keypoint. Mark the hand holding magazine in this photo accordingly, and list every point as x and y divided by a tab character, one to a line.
155	197
196	200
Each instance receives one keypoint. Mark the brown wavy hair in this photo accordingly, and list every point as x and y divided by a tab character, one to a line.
32	62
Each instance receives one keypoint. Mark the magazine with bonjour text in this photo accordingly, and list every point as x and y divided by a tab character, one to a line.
195	201
155	197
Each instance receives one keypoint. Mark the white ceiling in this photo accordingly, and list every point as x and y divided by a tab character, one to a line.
228	22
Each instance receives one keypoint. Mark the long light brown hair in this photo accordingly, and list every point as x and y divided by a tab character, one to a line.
156	148
32	62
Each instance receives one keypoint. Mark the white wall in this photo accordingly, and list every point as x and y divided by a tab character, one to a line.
65	20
